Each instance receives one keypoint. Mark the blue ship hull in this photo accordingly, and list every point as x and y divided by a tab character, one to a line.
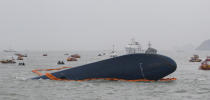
127	67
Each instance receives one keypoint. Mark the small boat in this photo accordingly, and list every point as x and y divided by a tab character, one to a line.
20	58
60	63
113	54
205	65
21	64
71	59
8	61
195	58
21	55
99	54
45	54
66	54
75	56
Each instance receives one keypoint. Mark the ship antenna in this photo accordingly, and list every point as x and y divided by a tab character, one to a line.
113	48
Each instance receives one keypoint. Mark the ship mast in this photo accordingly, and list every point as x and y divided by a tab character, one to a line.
113	48
149	44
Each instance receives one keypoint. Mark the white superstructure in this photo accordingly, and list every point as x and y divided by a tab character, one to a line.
133	48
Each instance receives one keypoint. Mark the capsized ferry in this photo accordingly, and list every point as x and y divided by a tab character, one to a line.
136	65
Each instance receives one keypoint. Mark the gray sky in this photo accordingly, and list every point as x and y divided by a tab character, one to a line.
98	24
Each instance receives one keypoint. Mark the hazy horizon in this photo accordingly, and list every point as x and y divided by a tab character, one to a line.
97	25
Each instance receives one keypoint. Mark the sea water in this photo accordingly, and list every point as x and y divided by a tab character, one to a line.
15	82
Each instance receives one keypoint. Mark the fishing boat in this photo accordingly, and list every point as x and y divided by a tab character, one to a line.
75	56
71	59
21	55
134	66
195	58
205	65
44	54
8	61
19	58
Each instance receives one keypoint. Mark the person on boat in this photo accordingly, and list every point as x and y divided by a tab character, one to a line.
22	64
62	62
59	62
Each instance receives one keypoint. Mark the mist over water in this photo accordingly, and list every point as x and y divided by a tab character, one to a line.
97	25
